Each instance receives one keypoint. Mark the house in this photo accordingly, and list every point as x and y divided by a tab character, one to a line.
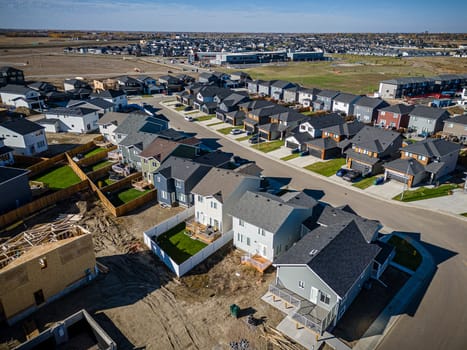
74	119
266	225
342	131
264	87
208	78
6	154
261	116
456	127
396	116
371	147
117	97
427	120
254	104
14	188
344	103
430	159
160	149
236	118
230	103
102	106
148	84
170	83
322	273
409	86
217	193
218	159
130	85
278	87
307	96
75	84
323	148
366	109
105	84
21	96
24	137
39	267
208	94
324	100
252	86
10	75
280	124
109	123
78	94
42	87
175	180
240	78
291	94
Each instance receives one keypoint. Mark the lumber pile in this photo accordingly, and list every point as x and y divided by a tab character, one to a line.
279	340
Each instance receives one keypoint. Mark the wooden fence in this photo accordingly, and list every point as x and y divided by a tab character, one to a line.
84	162
126	182
78	171
41	167
41	203
136	203
27	160
97	174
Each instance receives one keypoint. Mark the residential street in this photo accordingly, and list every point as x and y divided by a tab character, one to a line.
438	320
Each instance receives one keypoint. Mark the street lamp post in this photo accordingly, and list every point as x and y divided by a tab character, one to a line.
409	163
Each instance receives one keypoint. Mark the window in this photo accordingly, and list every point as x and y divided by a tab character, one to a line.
43	263
421	157
158	179
39	297
248	241
241	222
213	205
301	284
200	199
324	298
383	113
261	231
164	194
178	183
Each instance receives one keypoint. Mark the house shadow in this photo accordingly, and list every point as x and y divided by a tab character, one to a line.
276	183
113	332
131	278
57	148
359	320
206	265
210	144
316	194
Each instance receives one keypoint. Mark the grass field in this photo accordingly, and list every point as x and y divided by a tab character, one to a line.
178	245
290	156
425	193
366	182
94	151
59	178
357	74
269	146
327	168
406	254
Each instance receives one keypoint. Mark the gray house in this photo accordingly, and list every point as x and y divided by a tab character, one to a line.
176	178
252	86
321	274
324	100
344	103
264	87
427	120
17	179
278	87
307	96
457	127
291	94
366	109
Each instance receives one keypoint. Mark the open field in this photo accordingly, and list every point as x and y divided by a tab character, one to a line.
357	74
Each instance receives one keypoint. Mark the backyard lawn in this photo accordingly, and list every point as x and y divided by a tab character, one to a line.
94	151
366	182
59	178
290	156
426	193
327	168
126	196
100	165
269	146
406	254
178	245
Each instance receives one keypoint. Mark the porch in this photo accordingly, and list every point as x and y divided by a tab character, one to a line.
257	261
204	233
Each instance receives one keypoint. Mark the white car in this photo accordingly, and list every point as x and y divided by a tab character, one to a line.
189	118
236	131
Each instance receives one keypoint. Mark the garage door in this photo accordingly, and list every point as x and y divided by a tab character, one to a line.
315	152
363	168
397	177
292	145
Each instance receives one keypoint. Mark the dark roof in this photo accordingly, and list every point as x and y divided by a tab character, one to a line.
375	139
429	112
110	93
5	150
322	143
347	129
386	250
115	118
461	119
16	89
283	84
338	254
346	98
407	165
325	121
8	173
270	127
6	69
312	91
360	156
216	159
250	105
370	102
159	149
407	80
398	109
432	147
22	126
302	137
289	116
181	168
72	111
328	93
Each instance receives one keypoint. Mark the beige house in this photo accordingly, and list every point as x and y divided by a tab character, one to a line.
40	266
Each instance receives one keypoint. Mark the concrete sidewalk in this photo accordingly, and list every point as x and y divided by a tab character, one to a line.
388	318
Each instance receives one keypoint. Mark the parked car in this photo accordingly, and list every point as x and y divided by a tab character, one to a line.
295	150
255	139
236	131
188	108
379	180
304	153
249	133
178	105
352	175
188	118
341	172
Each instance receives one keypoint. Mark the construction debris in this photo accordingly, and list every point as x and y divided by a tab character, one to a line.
278	339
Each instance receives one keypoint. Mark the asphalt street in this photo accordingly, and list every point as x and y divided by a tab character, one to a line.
438	321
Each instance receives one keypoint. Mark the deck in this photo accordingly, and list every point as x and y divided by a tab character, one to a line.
204	233
257	261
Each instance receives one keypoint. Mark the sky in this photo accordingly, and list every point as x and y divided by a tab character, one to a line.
286	16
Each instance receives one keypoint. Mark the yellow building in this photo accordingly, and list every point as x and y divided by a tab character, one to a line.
39	266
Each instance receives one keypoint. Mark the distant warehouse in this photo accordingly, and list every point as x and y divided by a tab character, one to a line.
224	58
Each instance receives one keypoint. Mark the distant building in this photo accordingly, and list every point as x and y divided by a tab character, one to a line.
10	75
25	137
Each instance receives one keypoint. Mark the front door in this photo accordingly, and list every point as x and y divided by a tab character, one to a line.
262	250
314	295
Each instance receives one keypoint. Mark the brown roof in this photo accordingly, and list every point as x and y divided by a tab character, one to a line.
159	149
191	141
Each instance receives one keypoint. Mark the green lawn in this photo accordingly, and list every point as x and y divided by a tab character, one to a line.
178	245
216	123
464	214
126	196
406	254
179	109
243	138
269	146
94	151
100	165
227	130
290	156
59	178
204	117
425	193
327	168
366	182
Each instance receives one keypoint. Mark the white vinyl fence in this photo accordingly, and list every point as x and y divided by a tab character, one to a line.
151	234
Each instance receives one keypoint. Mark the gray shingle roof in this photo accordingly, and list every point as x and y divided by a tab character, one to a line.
322	143
110	94
429	112
328	93
346	98
410	166
72	111
325	121
181	168
282	84
8	173
16	89
375	139
461	119
22	126
432	147
338	254
347	129
399	109
370	102
115	118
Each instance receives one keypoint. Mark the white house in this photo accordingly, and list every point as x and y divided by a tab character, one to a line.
216	194
268	225
344	103
109	123
75	119
21	96
306	96
24	137
117	97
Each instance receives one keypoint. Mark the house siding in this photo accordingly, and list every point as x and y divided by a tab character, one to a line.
13	199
